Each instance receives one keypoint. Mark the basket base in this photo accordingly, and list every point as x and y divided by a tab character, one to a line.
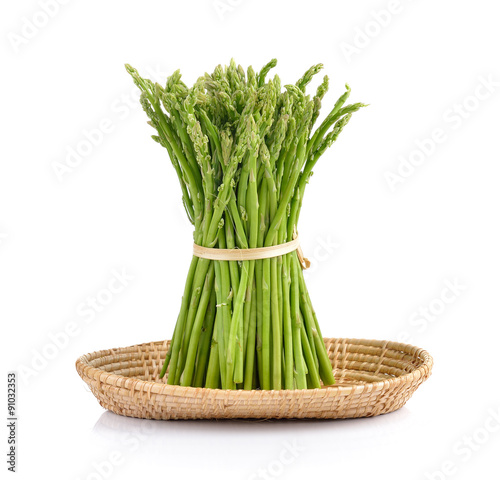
373	377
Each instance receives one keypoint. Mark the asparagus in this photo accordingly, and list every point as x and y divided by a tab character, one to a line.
244	149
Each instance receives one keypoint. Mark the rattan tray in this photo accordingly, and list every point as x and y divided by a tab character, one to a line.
373	377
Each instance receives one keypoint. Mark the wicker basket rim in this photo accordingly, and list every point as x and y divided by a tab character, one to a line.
160	388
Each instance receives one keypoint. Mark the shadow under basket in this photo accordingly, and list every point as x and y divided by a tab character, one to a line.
373	377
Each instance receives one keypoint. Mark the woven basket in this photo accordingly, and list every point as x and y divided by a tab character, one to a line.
373	377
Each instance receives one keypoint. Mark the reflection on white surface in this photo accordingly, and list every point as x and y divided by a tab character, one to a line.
109	425
248	447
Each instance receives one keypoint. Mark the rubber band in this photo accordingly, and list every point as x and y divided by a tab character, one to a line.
260	253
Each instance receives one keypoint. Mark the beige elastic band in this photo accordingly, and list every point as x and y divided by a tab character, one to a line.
241	254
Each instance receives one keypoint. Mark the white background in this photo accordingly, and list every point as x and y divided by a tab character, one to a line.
379	253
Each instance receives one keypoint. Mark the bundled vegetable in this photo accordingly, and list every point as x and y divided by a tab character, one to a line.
244	150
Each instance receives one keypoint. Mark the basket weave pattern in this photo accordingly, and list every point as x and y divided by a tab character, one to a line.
373	377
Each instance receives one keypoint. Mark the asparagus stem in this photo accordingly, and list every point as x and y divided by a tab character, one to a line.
213	370
177	340
266	324
287	324
312	371
235	322
221	352
276	328
300	368
205	342
325	367
187	374
226	307
250	350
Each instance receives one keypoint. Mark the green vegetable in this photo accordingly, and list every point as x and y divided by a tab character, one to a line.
244	149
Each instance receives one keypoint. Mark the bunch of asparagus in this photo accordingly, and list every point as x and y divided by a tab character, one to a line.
244	150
